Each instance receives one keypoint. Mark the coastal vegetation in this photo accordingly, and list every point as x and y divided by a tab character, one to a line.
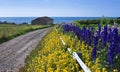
10	31
98	45
97	42
96	21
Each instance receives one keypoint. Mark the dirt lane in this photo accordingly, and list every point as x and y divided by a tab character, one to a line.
14	52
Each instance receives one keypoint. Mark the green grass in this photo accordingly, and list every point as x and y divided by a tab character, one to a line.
9	31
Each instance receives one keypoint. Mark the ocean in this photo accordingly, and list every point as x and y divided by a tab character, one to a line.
19	20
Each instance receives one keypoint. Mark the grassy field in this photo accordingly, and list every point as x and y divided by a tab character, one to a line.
9	31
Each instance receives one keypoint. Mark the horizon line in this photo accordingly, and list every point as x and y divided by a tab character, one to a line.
59	16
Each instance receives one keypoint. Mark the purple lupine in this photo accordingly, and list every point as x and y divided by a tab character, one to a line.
83	33
95	39
89	37
115	40
115	35
76	31
92	33
109	36
66	27
94	53
119	38
72	28
103	35
111	54
119	49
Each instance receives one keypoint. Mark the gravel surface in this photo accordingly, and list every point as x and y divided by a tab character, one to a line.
14	52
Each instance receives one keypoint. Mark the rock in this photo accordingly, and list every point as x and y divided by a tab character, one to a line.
42	21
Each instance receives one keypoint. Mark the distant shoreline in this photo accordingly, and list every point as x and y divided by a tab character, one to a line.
62	16
19	20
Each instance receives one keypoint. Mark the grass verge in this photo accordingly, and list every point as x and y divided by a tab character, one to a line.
5	38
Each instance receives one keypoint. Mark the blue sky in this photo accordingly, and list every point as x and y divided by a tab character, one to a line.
75	8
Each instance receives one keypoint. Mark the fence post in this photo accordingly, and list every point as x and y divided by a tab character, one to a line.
75	56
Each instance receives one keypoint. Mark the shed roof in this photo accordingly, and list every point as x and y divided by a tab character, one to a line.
44	18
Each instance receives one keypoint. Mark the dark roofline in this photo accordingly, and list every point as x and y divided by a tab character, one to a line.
44	17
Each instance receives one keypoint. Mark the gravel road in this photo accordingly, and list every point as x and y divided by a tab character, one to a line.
14	52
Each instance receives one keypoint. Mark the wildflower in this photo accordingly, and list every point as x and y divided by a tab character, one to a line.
104	70
115	35
104	34
89	64
95	40
111	54
109	37
115	70
119	49
83	33
97	60
89	37
94	53
98	70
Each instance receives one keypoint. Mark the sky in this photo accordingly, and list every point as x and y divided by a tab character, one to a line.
59	8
